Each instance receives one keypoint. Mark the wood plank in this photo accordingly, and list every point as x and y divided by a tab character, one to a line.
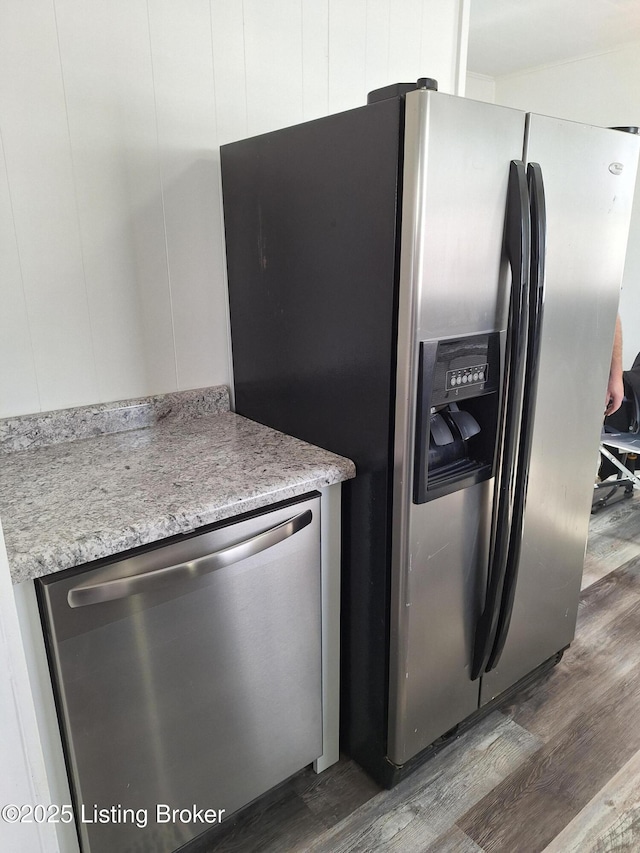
608	521
529	808
276	822
605	650
410	840
335	793
610	821
427	803
453	841
621	581
614	538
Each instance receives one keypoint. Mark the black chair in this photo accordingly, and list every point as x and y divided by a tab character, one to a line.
620	444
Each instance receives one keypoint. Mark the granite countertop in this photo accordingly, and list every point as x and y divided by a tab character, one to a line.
67	503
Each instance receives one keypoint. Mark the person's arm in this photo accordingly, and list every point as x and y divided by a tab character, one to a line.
615	388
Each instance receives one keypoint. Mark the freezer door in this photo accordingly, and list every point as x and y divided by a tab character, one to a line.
589	176
453	282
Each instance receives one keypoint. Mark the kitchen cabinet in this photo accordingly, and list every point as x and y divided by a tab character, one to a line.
69	503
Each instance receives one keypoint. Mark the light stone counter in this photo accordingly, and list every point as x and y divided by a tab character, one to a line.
70	502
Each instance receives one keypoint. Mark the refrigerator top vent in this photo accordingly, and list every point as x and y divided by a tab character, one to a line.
397	90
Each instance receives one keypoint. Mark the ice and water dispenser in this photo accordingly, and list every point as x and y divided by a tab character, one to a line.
457	414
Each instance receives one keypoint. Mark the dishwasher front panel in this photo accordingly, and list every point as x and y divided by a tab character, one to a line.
202	693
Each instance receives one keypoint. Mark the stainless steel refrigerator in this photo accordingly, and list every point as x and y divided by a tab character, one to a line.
429	285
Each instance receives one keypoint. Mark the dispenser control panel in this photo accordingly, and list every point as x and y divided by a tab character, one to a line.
459	368
475	375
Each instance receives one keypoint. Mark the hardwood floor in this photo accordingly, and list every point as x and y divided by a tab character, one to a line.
557	769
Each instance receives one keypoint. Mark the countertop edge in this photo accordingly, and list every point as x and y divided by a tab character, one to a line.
110	543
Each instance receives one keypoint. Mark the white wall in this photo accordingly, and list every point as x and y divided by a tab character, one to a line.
23	780
481	88
111	114
601	90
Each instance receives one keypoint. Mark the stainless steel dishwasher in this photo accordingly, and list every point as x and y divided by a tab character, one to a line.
188	676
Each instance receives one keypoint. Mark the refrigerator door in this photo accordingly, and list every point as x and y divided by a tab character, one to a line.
589	176
453	283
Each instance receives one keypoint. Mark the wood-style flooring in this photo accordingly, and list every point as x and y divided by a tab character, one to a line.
557	769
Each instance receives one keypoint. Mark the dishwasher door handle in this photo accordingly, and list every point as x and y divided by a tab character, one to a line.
112	584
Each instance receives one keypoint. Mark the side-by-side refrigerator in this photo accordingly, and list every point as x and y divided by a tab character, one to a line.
428	285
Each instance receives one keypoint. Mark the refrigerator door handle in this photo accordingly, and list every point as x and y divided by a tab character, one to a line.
113	584
536	303
518	250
